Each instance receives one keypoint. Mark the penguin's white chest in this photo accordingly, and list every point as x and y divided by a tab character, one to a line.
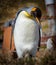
25	33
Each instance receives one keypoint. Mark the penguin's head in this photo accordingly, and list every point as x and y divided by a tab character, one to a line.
36	12
33	12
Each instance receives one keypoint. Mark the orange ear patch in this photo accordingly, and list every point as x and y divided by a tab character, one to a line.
33	9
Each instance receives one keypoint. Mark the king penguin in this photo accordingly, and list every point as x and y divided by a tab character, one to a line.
26	31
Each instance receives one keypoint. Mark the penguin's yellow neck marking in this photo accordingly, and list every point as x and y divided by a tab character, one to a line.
33	9
28	15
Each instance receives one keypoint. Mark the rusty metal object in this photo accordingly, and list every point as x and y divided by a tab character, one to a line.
6	40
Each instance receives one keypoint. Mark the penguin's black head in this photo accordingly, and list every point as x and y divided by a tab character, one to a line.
36	12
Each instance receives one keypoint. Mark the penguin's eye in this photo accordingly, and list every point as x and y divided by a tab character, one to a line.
33	13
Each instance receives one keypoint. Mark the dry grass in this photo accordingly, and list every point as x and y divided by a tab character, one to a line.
44	57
